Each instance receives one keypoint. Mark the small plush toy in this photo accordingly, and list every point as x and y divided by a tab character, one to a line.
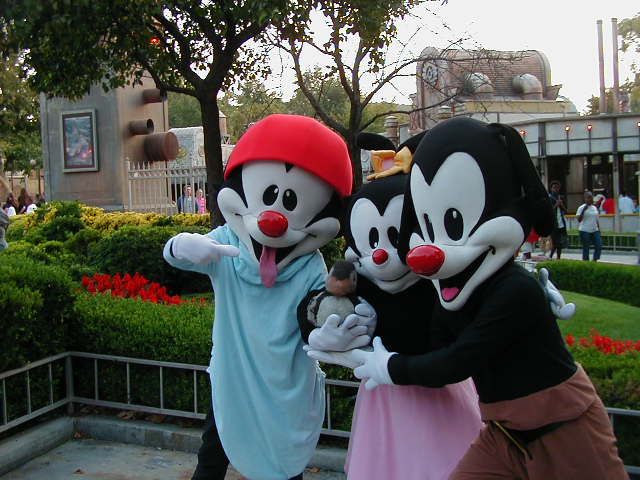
473	195
338	297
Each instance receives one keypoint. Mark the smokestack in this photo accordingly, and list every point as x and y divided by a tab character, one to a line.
616	76
603	96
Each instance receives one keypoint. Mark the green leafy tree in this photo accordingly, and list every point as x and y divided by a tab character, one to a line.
629	29
194	48
184	110
19	116
251	101
361	71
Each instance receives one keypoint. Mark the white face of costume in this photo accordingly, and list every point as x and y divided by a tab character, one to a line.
449	213
376	238
277	223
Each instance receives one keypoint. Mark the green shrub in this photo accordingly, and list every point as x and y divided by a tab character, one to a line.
333	251
612	281
81	242
139	249
17	227
54	221
617	380
36	302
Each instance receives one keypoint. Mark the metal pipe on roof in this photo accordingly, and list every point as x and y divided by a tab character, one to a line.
603	97
616	75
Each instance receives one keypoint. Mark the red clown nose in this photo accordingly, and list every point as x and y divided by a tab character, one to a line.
272	224
379	256
425	260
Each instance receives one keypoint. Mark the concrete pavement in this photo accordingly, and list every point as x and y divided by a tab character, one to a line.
626	258
108	448
90	459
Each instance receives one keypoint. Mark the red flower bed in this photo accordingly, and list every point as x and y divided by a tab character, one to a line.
605	344
127	286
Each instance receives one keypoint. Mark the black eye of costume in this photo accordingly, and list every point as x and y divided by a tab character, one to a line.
290	200
453	224
270	195
392	233
374	238
427	221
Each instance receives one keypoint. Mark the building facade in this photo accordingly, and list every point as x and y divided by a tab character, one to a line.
493	86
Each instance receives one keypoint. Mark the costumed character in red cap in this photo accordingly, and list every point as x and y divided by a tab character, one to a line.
282	197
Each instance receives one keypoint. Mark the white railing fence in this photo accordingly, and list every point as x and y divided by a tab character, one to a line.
52	382
155	187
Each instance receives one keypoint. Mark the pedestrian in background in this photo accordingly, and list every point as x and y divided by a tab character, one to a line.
186	202
201	201
589	227
559	239
11	206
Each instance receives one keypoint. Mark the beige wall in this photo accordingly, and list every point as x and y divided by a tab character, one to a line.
106	187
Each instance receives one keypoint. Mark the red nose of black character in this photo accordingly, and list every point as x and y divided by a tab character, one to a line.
272	224
379	256
425	260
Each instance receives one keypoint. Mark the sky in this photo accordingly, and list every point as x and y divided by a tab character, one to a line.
564	30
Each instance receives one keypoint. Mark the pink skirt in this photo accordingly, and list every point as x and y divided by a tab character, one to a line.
410	432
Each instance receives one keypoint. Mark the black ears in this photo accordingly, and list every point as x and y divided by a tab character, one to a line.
374	141
536	197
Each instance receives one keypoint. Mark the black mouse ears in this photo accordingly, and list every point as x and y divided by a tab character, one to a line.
536	197
374	141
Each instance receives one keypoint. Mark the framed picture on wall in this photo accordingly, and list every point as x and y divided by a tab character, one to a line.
79	142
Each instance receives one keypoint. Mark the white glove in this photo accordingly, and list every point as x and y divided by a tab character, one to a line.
350	359
560	309
375	366
336	337
365	315
199	249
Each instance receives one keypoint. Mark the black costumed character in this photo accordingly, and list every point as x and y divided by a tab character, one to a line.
392	420
472	197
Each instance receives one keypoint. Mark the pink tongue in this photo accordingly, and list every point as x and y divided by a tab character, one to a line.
450	293
268	270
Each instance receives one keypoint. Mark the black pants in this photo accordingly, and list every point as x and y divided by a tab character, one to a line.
212	461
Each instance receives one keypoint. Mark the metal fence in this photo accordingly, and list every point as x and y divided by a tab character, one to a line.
63	367
155	187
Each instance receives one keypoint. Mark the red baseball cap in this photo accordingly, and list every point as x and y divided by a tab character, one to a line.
298	140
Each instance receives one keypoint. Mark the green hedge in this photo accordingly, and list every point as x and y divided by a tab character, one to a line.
612	281
36	305
133	328
139	249
617	380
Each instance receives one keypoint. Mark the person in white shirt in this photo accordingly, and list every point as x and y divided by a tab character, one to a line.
625	203
589	227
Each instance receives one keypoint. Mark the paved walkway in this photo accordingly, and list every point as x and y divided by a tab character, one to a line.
90	459
627	258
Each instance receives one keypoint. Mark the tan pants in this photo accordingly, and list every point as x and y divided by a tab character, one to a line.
580	449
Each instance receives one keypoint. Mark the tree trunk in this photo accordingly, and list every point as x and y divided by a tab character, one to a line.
356	164
212	153
355	120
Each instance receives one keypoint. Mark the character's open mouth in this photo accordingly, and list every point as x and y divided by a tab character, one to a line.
452	286
281	253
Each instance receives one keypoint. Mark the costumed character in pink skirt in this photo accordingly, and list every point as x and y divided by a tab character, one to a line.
391	421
